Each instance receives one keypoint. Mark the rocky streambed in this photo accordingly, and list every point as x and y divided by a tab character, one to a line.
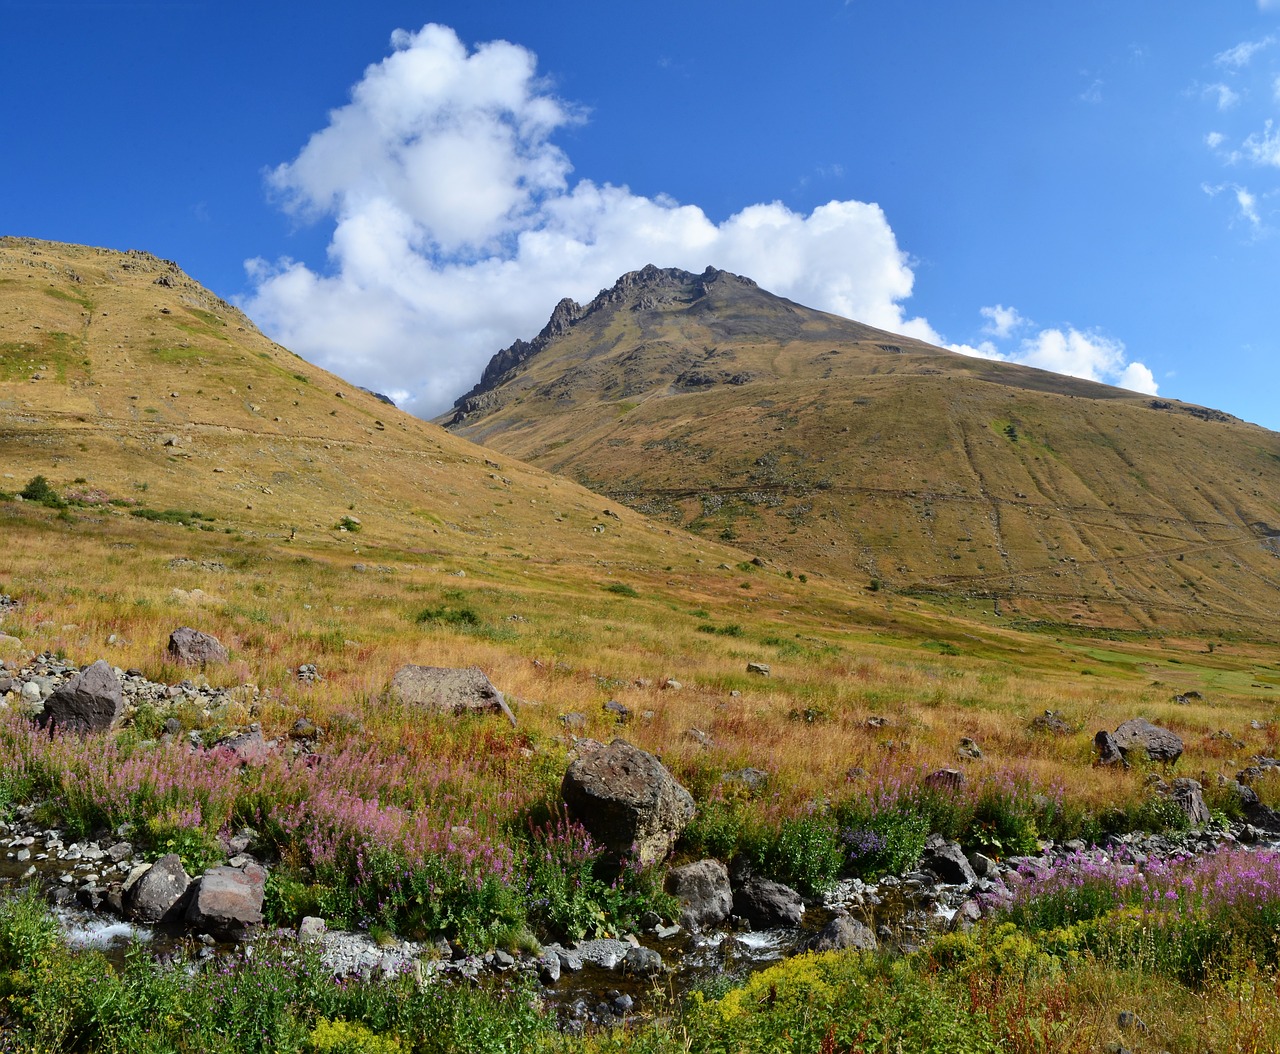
591	983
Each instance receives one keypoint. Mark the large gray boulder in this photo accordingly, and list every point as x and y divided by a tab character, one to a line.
704	893
842	932
157	895
193	648
449	691
91	701
627	799
227	901
763	902
1141	739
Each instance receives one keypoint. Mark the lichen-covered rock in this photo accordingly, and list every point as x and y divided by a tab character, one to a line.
91	701
627	799
449	691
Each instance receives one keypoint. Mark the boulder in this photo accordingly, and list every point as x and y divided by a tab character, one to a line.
703	891
228	901
947	861
760	669
642	962
843	932
763	902
627	799
156	896
193	648
249	748
1141	738
91	701
447	690
1108	751
945	779
1188	795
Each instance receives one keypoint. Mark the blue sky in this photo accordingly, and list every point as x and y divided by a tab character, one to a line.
394	192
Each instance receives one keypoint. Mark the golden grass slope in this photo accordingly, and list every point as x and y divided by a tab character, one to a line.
874	458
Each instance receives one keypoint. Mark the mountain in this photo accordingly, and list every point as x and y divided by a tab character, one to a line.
884	461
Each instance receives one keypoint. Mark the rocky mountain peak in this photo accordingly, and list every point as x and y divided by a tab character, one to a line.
649	288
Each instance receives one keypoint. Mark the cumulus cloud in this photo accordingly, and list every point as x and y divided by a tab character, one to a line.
1001	320
457	228
1214	140
1090	355
1077	353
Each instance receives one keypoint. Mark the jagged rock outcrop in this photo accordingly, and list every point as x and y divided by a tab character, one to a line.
651	286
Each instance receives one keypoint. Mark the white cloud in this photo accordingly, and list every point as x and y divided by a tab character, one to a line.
1269	5
457	228
1263	148
1214	140
1223	95
1248	204
1093	93
1001	320
1242	54
1077	353
983	350
1091	355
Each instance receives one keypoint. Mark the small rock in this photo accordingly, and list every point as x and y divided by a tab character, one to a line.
760	669
617	711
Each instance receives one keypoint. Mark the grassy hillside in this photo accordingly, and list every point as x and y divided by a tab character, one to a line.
885	462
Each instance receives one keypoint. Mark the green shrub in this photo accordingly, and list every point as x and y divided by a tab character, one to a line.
888	842
716	830
444	615
39	491
349	524
181	517
621	589
804	851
